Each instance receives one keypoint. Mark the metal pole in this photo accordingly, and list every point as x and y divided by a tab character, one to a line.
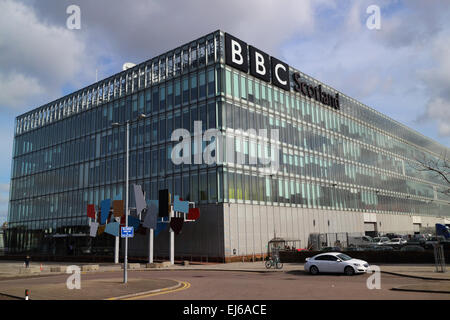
125	266
116	249
172	241
150	247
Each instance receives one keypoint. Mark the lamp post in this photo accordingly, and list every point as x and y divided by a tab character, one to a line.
116	124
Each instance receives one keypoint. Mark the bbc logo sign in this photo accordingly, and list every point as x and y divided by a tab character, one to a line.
270	69
236	55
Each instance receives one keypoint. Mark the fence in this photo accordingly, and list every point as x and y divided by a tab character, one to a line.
318	241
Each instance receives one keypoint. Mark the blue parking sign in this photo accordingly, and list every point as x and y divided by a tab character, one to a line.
127	232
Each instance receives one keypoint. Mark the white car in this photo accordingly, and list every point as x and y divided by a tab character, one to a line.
335	262
380	240
395	241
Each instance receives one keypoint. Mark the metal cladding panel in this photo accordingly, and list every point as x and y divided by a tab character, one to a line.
241	222
105	207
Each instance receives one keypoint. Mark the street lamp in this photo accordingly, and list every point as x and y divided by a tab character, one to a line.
117	124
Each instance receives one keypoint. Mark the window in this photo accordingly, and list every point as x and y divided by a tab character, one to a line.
169	126
211	115
155	98
162	129
203	186
194	92
243	88
194	187
185	90
228	86
231	186
202	85
326	258
162	160
148	132
186	187
185	59
169	95
202	54
162	94
177	93
211	84
236	85
186	120
194	117
155	131
212	186
154	162
194	62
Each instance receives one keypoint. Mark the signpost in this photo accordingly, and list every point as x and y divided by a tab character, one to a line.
127	232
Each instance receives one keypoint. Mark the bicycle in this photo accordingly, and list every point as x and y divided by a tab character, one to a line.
274	262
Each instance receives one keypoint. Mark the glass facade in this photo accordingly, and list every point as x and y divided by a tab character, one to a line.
329	159
67	154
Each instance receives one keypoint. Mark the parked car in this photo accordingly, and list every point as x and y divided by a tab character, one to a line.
419	237
393	235
413	248
361	241
335	262
395	242
329	249
380	240
433	240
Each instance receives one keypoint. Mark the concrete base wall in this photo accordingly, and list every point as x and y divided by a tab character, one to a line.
234	231
202	238
248	228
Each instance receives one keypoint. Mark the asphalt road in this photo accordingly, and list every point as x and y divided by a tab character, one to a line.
291	285
230	285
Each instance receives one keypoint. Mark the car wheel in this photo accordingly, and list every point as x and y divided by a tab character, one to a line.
313	270
349	271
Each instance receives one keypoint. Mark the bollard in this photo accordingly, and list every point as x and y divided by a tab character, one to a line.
26	294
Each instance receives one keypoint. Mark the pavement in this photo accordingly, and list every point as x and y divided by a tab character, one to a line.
55	288
106	287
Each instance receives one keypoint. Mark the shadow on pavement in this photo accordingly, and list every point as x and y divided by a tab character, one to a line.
307	274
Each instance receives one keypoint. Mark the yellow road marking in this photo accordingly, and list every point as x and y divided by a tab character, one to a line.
184	285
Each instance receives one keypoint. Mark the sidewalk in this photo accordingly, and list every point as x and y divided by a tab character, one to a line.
91	289
15	269
426	272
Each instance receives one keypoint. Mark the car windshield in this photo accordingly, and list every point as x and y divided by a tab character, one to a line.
343	257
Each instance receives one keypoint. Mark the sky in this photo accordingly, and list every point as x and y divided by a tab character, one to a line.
401	69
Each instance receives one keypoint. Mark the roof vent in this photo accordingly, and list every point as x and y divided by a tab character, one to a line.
127	65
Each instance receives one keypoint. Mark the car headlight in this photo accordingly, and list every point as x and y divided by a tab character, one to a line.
356	264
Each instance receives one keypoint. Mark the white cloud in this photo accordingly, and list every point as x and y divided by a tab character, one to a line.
37	59
438	110
149	27
4	198
392	69
14	85
437	82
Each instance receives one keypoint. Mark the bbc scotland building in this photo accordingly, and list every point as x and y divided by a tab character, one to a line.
341	166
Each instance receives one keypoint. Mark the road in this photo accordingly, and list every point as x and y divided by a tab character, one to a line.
291	285
234	285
